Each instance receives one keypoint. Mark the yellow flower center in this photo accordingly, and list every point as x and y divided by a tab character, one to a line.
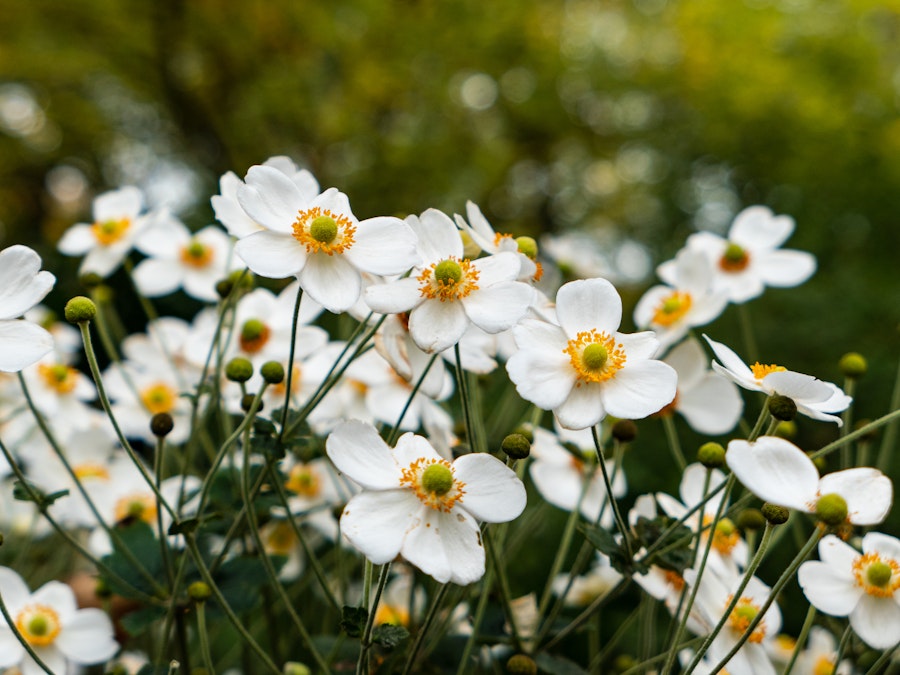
760	370
395	615
878	576
824	665
743	614
449	279
596	357
434	483
499	237
672	308
726	537
38	624
323	231
254	336
159	398
110	231
136	506
281	539
91	470
196	254
734	259
304	481
59	377
279	390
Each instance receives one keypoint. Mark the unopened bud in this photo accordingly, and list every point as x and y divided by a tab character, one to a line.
80	309
853	365
161	424
751	519
516	446
786	429
272	372
247	403
90	280
782	408
294	668
775	515
521	664
624	431
199	591
711	455
239	369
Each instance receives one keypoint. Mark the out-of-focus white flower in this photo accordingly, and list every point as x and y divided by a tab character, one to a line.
480	231
584	589
22	285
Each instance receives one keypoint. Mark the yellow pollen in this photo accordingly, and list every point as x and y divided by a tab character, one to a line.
59	377
538	272
674	579
281	539
312	229
760	370
499	237
824	666
435	284
361	388
726	537
91	470
876	575
304	481
743	614
196	254
159	398
110	231
139	506
413	477
38	624
584	351
392	614
672	308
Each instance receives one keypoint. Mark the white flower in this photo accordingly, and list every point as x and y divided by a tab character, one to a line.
105	242
584	589
480	231
709	402
420	506
813	397
777	471
22	285
865	587
670	311
583	368
54	627
319	240
750	258
449	292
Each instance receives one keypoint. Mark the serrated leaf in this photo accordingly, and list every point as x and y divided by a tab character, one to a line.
388	635
353	620
606	543
675	558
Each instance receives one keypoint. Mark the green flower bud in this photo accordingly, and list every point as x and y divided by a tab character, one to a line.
879	574
323	229
831	509
224	287
776	515
437	479
80	309
853	365
199	591
526	431
751	519
247	403
786	429
624	662
624	431
516	446
527	246
521	664
781	407
239	369
161	424
272	372
294	668
711	455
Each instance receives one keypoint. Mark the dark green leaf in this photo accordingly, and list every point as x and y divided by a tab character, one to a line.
389	636
138	621
353	620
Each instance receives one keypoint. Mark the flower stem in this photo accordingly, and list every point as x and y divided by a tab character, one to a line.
289	371
362	665
395	432
889	418
203	637
620	522
801	640
674	444
420	636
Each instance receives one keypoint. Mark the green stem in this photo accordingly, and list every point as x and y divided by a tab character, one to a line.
465	402
889	418
203	637
362	665
885	452
620	522
289	374
395	431
420	636
752	350
486	584
760	423
505	596
847	418
674	444
801	640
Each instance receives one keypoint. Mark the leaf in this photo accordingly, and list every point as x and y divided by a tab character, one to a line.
388	635
353	620
240	581
136	622
134	541
606	543
675	558
31	493
184	526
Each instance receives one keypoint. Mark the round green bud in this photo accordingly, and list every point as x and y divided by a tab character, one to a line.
526	431
879	574
711	455
295	668
831	509
516	446
775	515
103	294
80	309
90	280
624	431
751	519
448	272
252	329
781	407
239	369
624	662
853	365
786	429
437	479
199	591
161	424
247	403
323	229
224	287
527	246
272	372
521	664
594	357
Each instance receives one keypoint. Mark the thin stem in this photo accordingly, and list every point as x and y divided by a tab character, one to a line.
203	637
885	452
801	640
362	665
505	596
620	522
853	435
420	636
747	333
395	431
464	400
886	655
289	375
674	444
487	582
760	422
847	418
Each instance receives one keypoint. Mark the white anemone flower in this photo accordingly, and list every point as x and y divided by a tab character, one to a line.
117	224
51	623
583	368
480	231
779	472
690	301
318	240
864	586
448	292
813	397
420	506
750	258
22	285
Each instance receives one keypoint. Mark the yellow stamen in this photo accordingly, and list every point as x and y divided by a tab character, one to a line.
824	666
761	370
734	259
585	351
304	481
254	336
281	539
313	229
138	506
876	575
196	254
449	279
395	615
440	500
159	398
91	470
743	614
110	231
672	308
38	624
59	377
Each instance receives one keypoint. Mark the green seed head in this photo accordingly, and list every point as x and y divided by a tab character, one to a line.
448	272
323	229
528	246
853	365
521	664
776	515
38	626
252	330
516	446
879	574
782	408
80	309
711	455
594	357
239	369
751	519
437	479
832	509
725	526
199	591
195	249
272	372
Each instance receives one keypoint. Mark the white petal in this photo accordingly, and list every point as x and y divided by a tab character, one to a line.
358	451
88	638
756	227
376	523
384	246
543	378
692	484
797	386
690	362
438	236
877	621
393	297
103	260
638	346
883	544
732	362
436	325
22	284
646	306
829	590
125	202
332	281
164	238
447	546
561	485
271	199
496	268
59	596
77	240
775	470
11	650
52	658
13	589
21	344
411	447
868	493
272	254
499	307
539	336
156	276
493	492
784	269
713	406
639	390
588	304
583	407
